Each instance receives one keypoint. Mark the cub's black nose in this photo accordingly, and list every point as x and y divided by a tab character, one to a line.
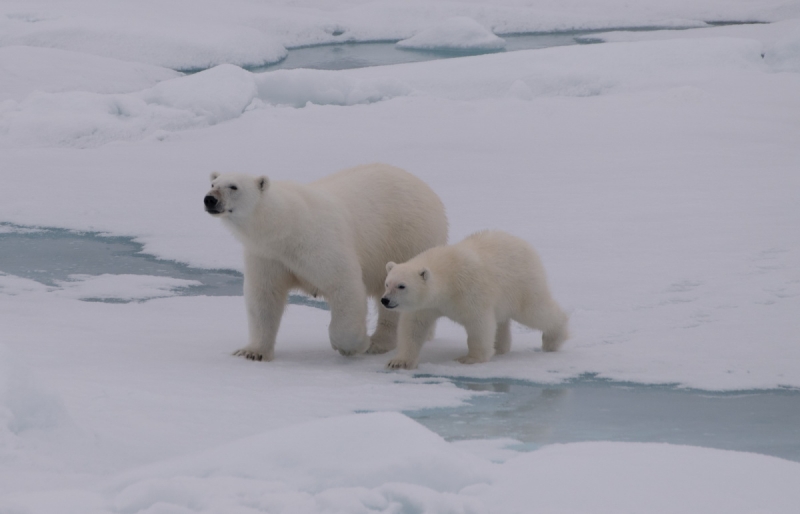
210	201
385	301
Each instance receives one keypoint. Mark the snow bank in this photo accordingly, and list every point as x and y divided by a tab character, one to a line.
27	69
460	34
385	462
363	450
214	95
179	46
86	119
297	88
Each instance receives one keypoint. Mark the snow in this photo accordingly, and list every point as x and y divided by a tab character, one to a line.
121	287
780	41
655	174
460	34
88	119
180	46
26	69
99	287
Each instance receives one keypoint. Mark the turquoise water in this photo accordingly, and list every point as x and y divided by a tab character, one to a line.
343	56
47	255
587	409
349	55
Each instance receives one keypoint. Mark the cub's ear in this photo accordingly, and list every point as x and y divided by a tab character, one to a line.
389	266
214	176
425	273
262	183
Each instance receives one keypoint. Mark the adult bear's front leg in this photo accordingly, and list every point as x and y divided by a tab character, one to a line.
266	287
348	328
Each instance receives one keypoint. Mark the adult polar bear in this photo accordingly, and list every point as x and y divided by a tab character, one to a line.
332	237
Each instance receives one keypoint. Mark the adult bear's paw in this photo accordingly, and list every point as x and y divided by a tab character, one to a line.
252	354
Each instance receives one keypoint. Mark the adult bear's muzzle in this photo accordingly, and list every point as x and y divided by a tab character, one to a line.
212	205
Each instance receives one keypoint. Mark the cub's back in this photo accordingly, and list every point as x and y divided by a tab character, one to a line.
508	259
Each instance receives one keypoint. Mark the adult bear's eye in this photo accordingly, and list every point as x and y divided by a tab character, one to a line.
234	188
401	286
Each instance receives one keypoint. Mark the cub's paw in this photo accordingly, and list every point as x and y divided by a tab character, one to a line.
252	355
471	359
398	363
375	348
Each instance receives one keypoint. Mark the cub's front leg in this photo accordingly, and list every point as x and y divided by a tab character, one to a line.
413	329
266	288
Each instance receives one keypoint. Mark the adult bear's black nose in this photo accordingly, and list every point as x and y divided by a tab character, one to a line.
210	201
385	301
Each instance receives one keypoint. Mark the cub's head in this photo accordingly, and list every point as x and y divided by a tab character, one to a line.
407	286
234	194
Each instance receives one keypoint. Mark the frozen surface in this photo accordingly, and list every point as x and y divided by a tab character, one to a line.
460	34
87	119
26	69
780	40
183	45
657	186
273	452
656	174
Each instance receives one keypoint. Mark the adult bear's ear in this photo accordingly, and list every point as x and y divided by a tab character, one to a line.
425	273
262	183
389	266
214	176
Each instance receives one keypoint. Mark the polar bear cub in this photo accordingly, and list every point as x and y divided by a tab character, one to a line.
331	238
484	282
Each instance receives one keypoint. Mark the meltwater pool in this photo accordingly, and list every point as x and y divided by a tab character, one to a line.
589	409
48	255
348	55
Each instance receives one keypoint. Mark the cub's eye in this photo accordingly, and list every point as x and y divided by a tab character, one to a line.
234	188
401	286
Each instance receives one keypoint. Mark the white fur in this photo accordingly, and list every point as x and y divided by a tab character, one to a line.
330	238
483	282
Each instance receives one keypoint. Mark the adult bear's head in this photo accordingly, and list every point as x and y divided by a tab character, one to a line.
234	194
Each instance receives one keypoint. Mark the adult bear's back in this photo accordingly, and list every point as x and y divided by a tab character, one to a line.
394	215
